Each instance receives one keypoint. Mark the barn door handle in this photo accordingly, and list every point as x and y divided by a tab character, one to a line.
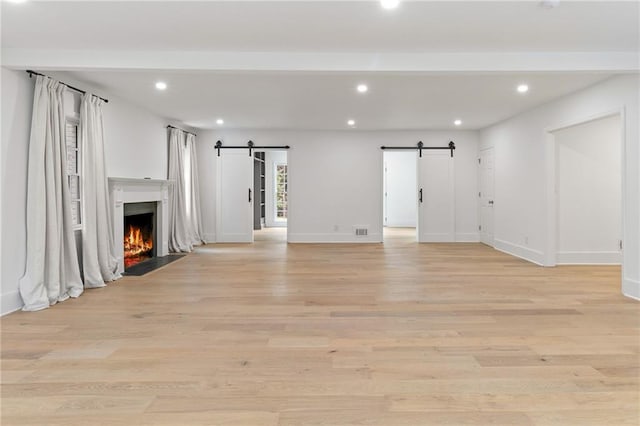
491	202
249	194
420	195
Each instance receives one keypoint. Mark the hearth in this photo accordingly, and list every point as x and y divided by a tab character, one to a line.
139	239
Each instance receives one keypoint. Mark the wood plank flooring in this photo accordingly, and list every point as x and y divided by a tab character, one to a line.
276	334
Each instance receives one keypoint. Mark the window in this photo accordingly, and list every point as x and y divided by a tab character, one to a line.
74	170
281	192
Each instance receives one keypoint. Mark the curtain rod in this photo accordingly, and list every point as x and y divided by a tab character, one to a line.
169	126
32	73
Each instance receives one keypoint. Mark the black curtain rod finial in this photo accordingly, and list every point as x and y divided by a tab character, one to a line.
169	126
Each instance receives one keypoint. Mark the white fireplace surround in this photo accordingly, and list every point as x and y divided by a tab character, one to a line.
131	190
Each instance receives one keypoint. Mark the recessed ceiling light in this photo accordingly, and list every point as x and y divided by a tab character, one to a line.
457	122
549	4
351	122
220	121
389	4
161	85
17	1
362	88
523	88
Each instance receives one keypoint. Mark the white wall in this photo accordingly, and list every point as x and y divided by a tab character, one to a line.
335	179
271	159
135	139
400	203
588	189
136	146
521	158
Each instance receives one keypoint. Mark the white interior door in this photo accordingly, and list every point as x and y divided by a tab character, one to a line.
235	197
436	197
487	174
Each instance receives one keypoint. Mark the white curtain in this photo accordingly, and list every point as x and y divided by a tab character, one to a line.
52	272
185	229
193	189
99	263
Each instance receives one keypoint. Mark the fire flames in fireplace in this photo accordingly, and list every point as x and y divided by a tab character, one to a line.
136	247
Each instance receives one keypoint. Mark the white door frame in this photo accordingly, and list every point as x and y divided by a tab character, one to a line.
385	206
385	191
551	251
270	190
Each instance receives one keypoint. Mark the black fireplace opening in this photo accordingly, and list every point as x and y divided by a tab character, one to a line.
139	233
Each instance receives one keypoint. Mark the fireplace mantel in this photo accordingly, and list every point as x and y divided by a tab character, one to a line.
131	190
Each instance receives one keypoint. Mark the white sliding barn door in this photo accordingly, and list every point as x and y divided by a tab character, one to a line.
235	197
436	198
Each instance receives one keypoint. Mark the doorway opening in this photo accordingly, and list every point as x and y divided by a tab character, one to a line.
588	192
271	189
400	196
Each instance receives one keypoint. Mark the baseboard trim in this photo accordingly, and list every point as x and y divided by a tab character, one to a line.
589	258
10	302
631	288
332	238
525	253
470	237
209	238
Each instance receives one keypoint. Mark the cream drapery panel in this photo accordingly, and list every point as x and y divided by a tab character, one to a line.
52	272
99	262
185	224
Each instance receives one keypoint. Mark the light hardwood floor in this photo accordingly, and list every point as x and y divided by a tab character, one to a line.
276	334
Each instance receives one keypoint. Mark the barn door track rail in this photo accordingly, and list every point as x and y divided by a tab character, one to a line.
250	146
420	146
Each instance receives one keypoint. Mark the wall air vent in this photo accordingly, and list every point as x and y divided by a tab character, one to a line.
362	232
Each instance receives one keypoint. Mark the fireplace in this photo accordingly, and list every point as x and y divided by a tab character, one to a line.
154	194
139	239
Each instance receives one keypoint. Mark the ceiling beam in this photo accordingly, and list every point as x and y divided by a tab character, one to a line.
460	62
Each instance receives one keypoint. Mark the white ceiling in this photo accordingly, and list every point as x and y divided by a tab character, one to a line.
295	64
326	101
323	26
